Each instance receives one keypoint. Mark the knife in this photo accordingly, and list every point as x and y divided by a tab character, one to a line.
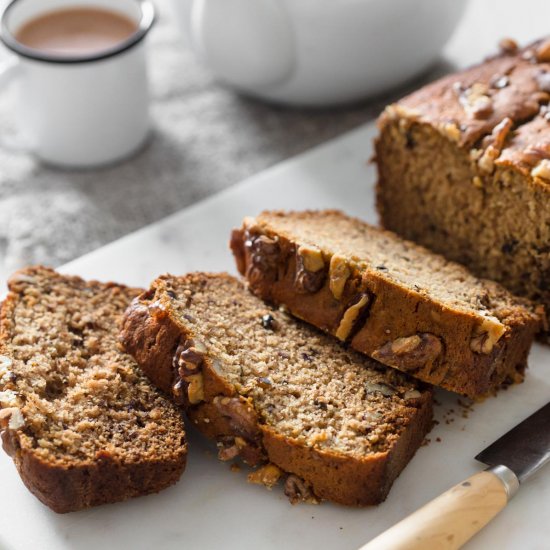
451	519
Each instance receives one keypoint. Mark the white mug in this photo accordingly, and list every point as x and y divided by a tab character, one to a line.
80	111
317	52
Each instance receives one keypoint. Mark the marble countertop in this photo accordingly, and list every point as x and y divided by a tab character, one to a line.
205	138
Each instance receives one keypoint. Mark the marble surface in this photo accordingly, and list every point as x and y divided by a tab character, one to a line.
205	139
212	507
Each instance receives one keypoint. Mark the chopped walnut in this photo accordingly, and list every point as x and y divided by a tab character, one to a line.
486	335
478	182
543	52
410	352
241	415
298	490
396	111
476	101
267	475
339	273
264	256
542	170
508	46
227	448
500	132
195	388
450	130
486	162
350	317
189	358
310	272
312	258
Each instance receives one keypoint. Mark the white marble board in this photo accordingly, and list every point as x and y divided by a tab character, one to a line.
213	507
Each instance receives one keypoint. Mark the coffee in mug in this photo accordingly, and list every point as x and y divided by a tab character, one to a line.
83	98
76	31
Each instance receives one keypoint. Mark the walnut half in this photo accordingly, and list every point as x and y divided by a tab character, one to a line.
410	352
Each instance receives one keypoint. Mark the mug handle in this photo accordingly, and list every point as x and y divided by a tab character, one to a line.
8	70
248	43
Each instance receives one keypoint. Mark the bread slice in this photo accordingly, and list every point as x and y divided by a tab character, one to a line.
282	395
389	298
464	168
81	422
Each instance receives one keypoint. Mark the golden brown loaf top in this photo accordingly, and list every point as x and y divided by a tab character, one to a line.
283	396
499	107
390	298
81	422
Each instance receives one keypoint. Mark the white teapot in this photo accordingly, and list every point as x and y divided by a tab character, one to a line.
317	52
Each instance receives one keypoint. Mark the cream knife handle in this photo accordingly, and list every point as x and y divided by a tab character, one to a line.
451	519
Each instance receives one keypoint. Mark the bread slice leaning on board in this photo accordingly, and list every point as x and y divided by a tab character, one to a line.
289	400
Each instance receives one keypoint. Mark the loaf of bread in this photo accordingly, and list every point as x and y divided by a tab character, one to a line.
83	425
464	168
398	302
328	423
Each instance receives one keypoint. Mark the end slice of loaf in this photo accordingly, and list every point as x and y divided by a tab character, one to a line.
285	397
83	425
395	301
464	168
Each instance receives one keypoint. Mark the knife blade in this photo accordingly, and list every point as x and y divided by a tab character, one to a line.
451	519
525	449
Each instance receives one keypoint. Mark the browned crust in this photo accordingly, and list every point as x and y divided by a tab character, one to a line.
394	312
71	488
148	333
440	104
77	486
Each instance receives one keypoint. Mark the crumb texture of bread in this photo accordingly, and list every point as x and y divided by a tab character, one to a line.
275	391
83	425
464	169
407	307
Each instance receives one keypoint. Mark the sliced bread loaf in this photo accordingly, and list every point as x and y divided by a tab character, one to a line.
389	298
83	425
334	424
